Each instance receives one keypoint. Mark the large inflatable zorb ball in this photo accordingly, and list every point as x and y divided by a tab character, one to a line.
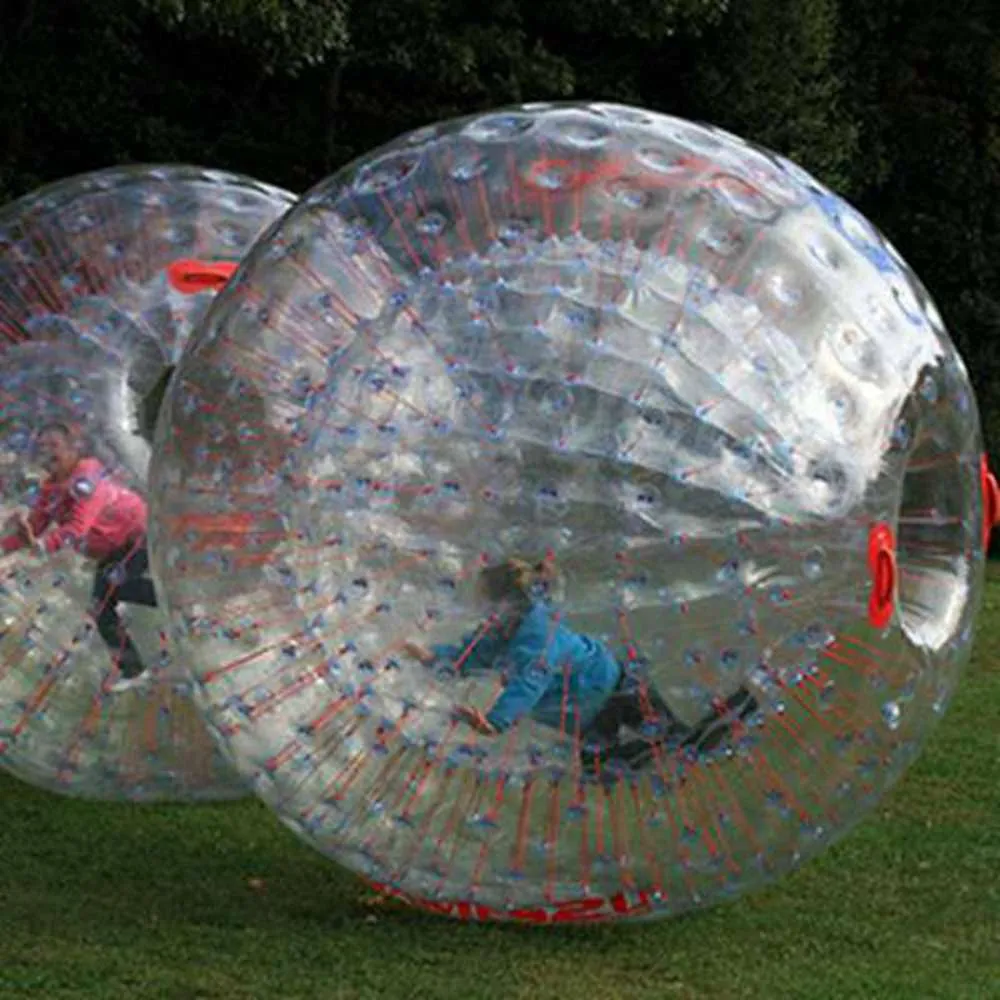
708	408
101	280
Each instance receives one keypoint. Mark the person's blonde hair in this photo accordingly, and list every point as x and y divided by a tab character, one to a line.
517	579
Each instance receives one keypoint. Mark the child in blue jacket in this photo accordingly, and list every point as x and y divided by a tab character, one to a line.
566	680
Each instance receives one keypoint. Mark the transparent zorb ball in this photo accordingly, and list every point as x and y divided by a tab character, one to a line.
98	294
672	366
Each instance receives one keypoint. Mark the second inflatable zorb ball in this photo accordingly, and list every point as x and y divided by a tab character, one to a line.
102	277
711	415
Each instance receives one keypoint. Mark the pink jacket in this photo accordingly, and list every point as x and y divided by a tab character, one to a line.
91	512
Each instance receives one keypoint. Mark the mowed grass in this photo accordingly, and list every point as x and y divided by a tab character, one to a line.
222	902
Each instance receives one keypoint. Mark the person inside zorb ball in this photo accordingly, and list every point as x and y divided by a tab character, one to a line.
633	531
102	277
590	692
88	510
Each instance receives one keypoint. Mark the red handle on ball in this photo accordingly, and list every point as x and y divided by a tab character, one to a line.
189	277
991	500
882	566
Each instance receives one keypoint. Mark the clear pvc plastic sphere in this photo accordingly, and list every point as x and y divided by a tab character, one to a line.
91	320
707	406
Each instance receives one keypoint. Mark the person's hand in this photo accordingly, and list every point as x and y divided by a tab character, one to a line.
18	524
418	652
474	718
23	527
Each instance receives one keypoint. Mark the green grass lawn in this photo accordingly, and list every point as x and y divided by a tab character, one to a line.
221	902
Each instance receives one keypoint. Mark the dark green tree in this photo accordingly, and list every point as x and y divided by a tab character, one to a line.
772	73
281	36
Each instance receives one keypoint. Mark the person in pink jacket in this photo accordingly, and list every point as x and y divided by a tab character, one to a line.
80	506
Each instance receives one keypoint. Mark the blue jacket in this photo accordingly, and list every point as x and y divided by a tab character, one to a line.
552	673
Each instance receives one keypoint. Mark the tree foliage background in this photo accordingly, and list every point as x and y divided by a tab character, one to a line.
895	103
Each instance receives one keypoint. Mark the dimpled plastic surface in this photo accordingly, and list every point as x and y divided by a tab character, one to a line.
674	361
89	322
